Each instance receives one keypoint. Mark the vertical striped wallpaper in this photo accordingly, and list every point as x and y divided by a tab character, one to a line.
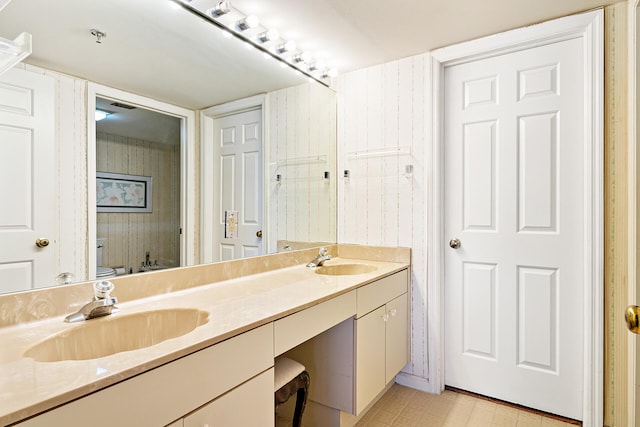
130	235
382	130
301	129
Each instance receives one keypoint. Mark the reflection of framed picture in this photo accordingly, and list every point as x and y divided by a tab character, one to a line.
116	192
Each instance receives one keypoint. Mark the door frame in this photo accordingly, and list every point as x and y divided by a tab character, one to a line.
590	27
187	168
633	285
207	118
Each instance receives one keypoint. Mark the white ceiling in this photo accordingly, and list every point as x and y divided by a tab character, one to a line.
361	33
176	57
138	123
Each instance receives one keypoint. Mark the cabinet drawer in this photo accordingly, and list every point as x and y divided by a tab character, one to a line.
381	291
299	327
249	405
164	394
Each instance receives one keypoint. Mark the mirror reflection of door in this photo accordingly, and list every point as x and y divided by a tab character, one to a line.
238	204
27	162
134	144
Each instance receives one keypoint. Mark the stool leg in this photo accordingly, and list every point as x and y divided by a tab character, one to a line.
301	398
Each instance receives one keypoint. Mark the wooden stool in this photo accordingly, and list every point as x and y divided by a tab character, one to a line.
291	378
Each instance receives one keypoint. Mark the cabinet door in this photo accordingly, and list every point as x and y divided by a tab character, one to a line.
248	405
370	357
397	338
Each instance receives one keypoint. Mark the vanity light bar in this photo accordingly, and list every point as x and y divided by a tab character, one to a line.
247	28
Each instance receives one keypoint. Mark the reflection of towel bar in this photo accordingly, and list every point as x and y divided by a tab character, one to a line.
379	152
301	161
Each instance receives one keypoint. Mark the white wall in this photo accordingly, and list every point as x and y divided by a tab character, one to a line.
383	113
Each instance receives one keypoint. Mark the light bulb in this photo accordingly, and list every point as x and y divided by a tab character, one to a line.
250	21
289	46
100	115
268	36
220	9
302	57
331	72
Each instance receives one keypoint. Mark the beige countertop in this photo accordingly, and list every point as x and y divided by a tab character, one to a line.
236	305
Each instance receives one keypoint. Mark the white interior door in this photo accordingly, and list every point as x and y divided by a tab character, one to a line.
27	184
514	197
238	141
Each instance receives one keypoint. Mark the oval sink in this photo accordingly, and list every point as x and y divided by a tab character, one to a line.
114	334
345	269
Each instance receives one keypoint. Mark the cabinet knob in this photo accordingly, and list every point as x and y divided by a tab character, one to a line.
385	317
393	312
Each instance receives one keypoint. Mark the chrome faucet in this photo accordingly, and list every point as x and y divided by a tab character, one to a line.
320	259
102	304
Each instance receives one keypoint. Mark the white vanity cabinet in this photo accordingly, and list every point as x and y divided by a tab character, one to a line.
351	363
381	331
235	374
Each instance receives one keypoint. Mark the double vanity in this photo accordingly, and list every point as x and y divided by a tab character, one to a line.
196	345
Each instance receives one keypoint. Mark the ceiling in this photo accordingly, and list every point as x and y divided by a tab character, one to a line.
361	33
138	123
173	56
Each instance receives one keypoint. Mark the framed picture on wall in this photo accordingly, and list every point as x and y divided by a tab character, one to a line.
116	192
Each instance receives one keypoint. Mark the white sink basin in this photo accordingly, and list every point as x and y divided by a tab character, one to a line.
116	333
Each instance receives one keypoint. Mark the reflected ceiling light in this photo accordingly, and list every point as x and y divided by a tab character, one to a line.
268	36
234	23
302	57
289	46
331	72
101	114
220	9
250	21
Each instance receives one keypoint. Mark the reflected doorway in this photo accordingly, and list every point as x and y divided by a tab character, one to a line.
138	188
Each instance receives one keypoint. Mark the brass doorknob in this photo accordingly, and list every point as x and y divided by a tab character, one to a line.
259	234
631	316
42	242
455	243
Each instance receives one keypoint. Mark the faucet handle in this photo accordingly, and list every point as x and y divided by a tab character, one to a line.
102	289
324	251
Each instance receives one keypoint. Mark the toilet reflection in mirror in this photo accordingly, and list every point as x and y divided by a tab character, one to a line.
102	272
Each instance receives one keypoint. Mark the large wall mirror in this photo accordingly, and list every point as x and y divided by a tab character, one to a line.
191	72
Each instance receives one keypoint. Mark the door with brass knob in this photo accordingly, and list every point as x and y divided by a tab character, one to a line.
28	229
632	317
42	242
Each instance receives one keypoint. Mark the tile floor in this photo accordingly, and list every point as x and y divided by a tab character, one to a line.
403	406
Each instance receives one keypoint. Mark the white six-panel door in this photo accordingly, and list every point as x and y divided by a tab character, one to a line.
514	197
238	141
27	184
